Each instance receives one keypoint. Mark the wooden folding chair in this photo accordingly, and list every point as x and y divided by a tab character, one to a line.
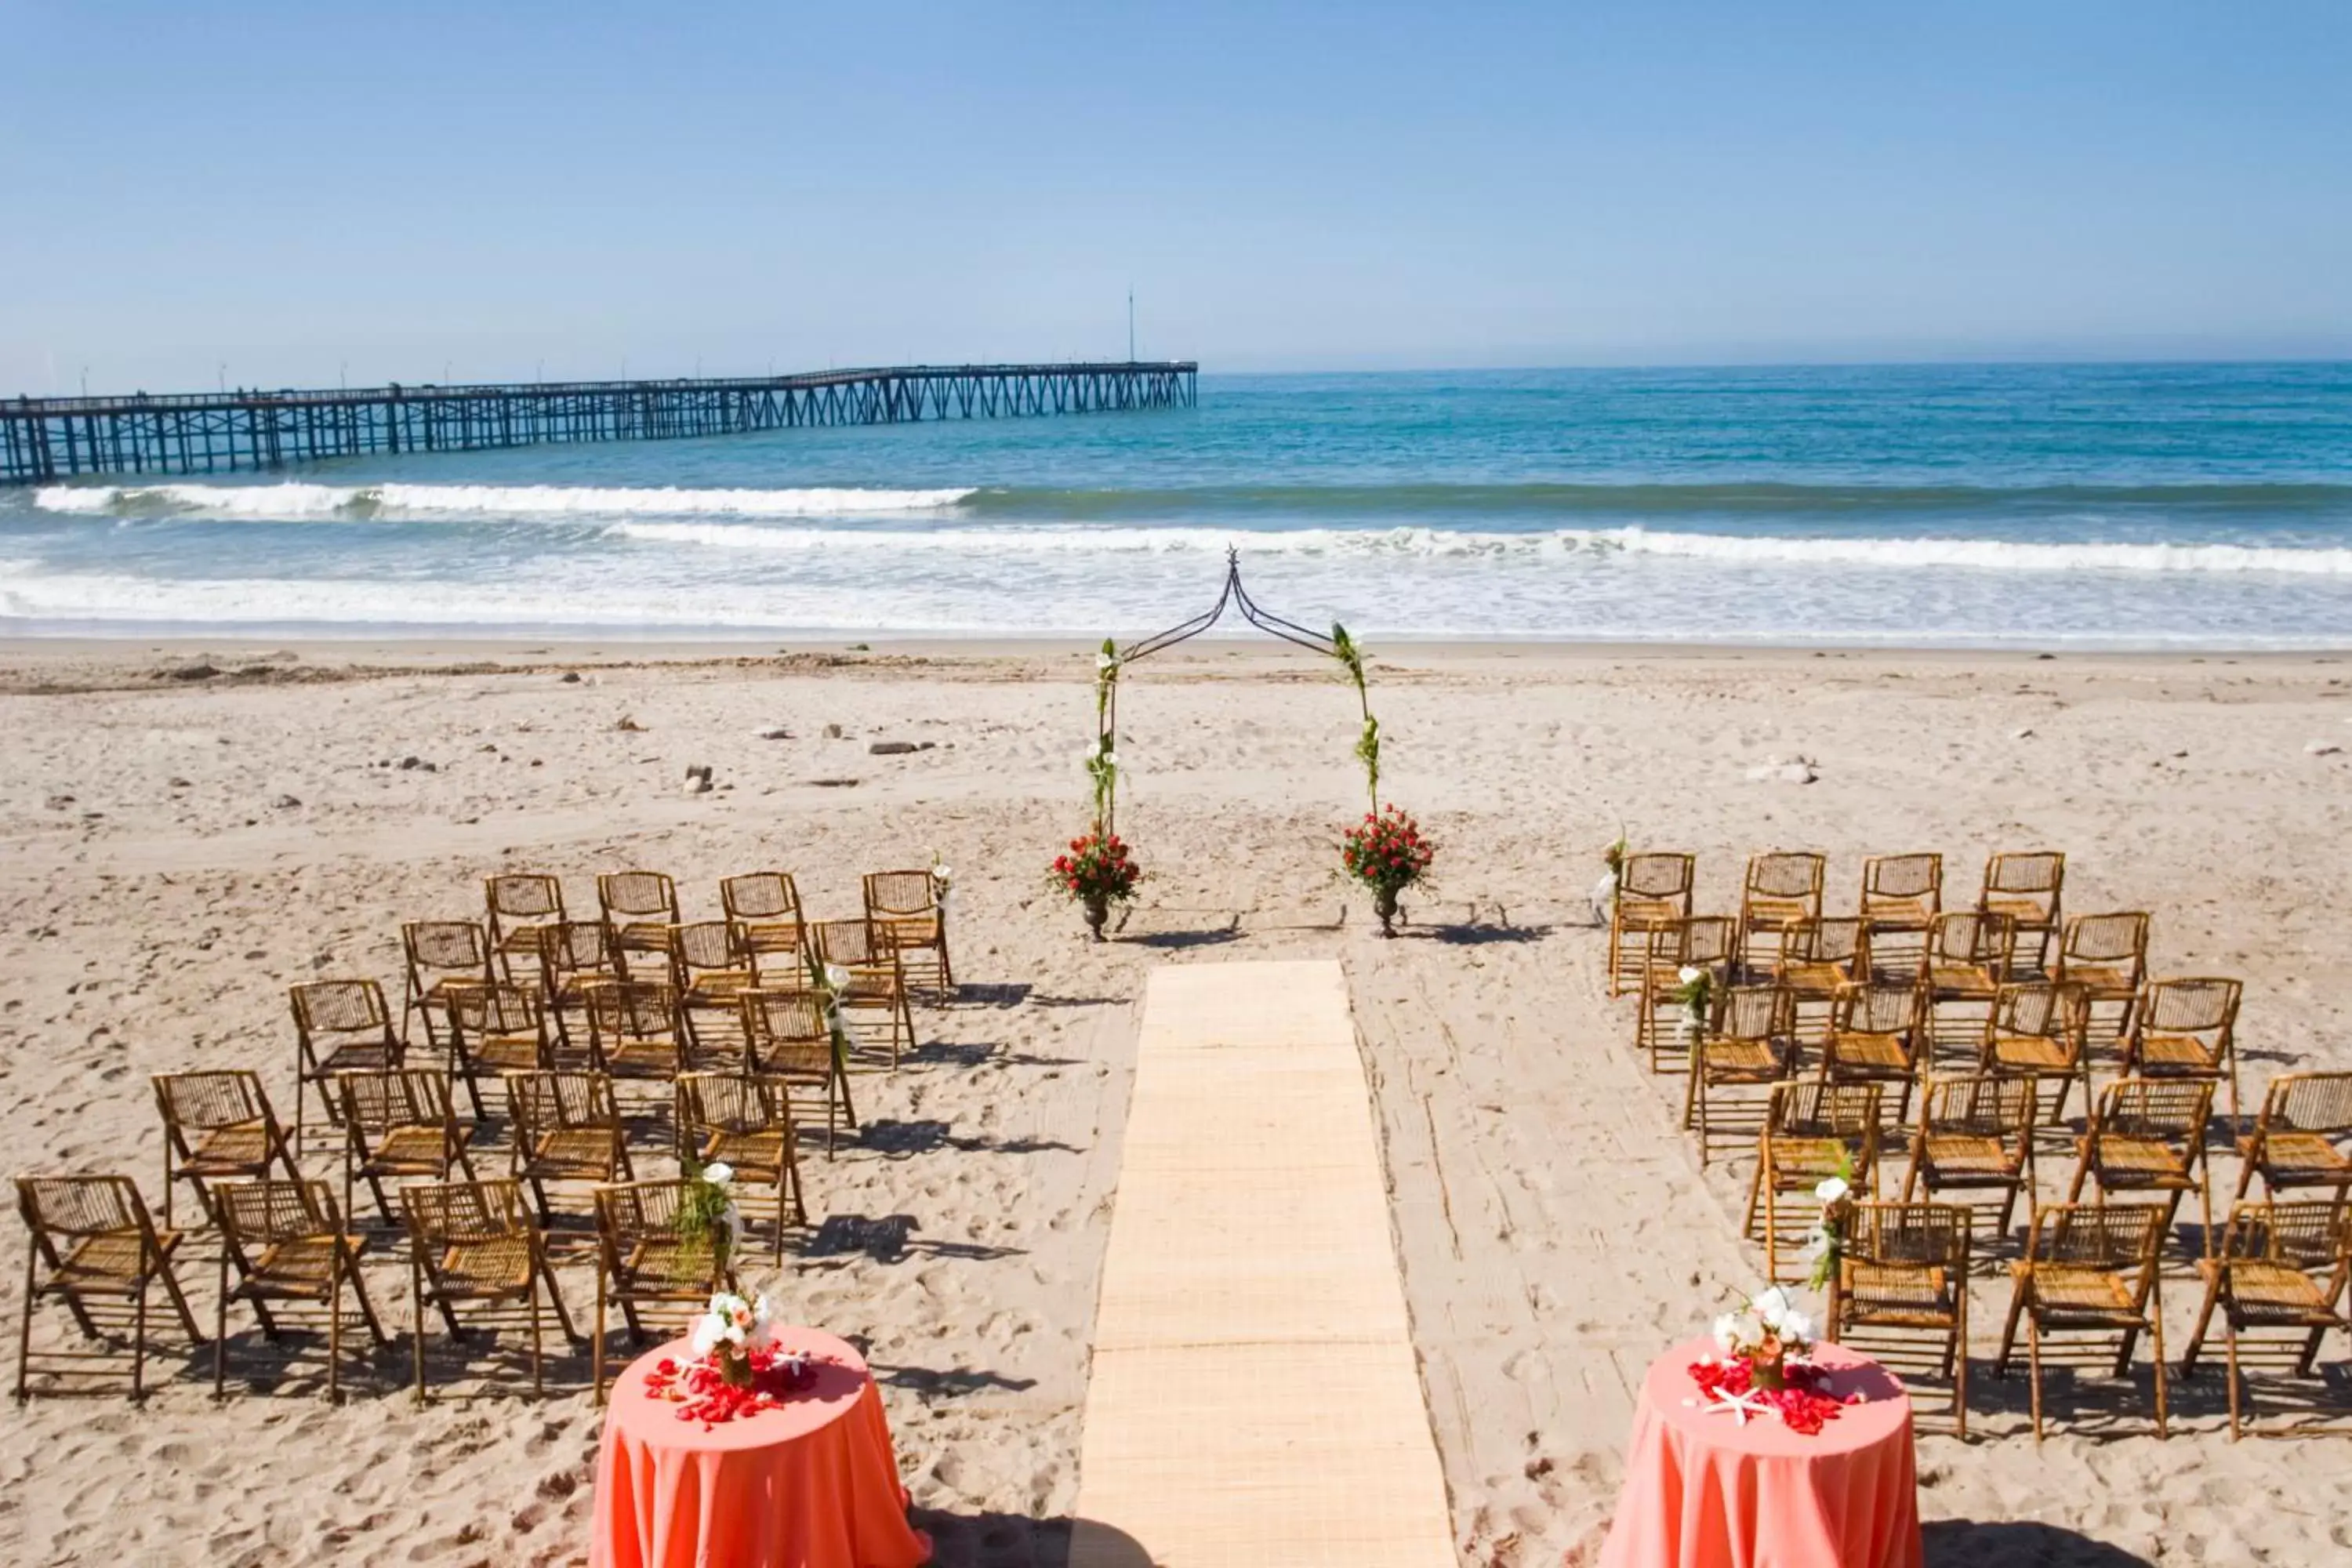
1966	963
2280	1265
401	1126
877	983
766	909
518	903
289	1248
1810	1131
496	1030
1877	1034
2037	1030
472	1244
1779	887
94	1237
1904	1267
747	1123
217	1125
904	911
567	1128
2026	887
576	957
1817	959
640	906
2089	1270
635	1032
1748	1041
1653	889
2149	1136
711	971
2186	1027
339	1025
1660	950
1900	895
642	1260
786	1039
2302	1138
443	957
1975	1134
2105	957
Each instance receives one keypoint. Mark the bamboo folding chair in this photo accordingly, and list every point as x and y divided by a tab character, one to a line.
1779	887
2026	887
576	957
748	1123
1748	1041
635	1032
496	1030
472	1244
2302	1138
2281	1266
1661	950
1975	1134
2037	1030
2105	958
904	910
2148	1135
567	1128
1901	894
1877	1034
640	906
711	971
217	1125
1966	963
2186	1028
642	1260
289	1248
2089	1270
877	981
1653	889
786	1039
1811	1132
400	1125
442	958
339	1025
766	909
1817	959
518	903
100	1246
1904	1267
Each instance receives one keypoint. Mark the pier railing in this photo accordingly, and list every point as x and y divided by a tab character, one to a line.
44	439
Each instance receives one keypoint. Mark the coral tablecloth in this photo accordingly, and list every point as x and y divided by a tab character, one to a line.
812	1485
1703	1491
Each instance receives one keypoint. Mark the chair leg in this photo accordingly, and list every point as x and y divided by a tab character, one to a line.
596	1340
2033	1359
416	1318
335	1324
2156	1348
538	1373
2230	1342
367	1309
139	1344
25	1327
2204	1321
180	1305
220	1330
1959	1360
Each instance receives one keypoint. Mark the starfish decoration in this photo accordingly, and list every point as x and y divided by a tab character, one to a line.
1741	1405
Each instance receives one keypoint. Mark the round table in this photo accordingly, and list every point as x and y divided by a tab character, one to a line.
811	1485
1702	1490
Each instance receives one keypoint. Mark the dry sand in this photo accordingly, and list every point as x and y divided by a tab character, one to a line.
1555	1228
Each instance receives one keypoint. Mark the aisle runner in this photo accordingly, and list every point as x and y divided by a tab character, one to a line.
1254	1399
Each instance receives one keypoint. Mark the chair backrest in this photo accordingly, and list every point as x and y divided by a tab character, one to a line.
545	1101
630	1215
847	942
760	896
2038	1009
2119	1238
1786	874
375	1102
2120	937
499	1008
446	947
1847	1111
900	893
1658	875
265	1214
1878	1007
2188	1005
335	1009
633	1010
2001	1108
1907	879
2317	1102
643	895
2173	1109
786	1032
729	1103
73	1208
201	1101
1834	939
2307	1235
1973	937
2034	874
522	898
569	949
446	1214
1752	1012
1709	939
1911	1235
705	947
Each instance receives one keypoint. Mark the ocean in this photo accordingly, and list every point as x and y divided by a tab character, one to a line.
2127	506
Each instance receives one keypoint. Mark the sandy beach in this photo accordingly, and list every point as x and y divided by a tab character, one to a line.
182	846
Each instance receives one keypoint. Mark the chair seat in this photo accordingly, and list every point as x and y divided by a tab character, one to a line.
2122	1161
1761	907
663	1269
1813	980
644	936
1907	1296
488	1269
909	930
2104	981
1741	1061
2176	1053
2261	1291
2068	1295
301	1267
1636	912
2031	1053
505	1053
1809	1159
2029	913
239	1149
110	1260
2299	1156
589	1154
1868	1055
756	1155
1970	1155
1961	982
640	1058
449	987
718	988
413	1151
1908	912
357	1056
521	938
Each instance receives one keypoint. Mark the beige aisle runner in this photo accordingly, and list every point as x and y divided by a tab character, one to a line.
1255	1401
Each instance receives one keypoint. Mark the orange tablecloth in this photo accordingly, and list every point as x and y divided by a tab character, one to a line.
811	1485
1703	1491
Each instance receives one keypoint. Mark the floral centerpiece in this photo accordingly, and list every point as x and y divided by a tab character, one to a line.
737	1370
1765	1334
1764	1371
1387	853
1097	872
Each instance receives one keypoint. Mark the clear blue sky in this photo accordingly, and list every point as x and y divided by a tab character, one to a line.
391	192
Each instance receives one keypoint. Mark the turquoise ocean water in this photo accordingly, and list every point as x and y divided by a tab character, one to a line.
2143	505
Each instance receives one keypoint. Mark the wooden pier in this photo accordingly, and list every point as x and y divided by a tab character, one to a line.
44	439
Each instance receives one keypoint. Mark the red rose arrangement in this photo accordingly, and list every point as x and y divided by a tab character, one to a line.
1387	853
1802	1407
702	1394
1097	872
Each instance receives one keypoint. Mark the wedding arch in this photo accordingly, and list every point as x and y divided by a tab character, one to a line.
1386	852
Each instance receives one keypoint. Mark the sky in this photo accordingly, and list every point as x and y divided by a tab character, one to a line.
291	194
